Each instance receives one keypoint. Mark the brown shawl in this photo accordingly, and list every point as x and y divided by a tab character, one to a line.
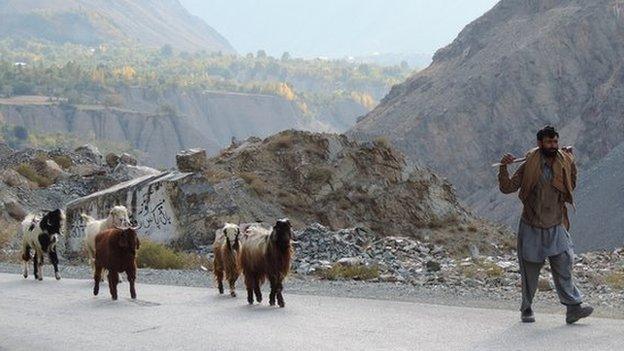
562	177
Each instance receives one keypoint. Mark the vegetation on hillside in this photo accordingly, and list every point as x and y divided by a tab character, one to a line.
78	74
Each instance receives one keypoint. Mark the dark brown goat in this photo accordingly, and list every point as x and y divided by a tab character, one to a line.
266	254
115	251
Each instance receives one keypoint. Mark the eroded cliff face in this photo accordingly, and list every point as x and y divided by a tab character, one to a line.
522	65
207	120
158	135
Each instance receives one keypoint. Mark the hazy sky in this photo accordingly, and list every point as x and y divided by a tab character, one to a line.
338	27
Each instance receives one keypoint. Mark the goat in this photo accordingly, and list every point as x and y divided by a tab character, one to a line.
226	247
117	217
41	235
115	251
266	254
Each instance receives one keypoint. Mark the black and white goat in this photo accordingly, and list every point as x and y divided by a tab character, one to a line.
42	234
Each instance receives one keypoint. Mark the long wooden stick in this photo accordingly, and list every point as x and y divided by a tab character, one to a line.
514	161
565	148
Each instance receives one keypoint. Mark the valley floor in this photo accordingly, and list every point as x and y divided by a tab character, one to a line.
607	305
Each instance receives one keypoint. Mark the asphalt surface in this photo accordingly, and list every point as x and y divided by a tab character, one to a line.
64	315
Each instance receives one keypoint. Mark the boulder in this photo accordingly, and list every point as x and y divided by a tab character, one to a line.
48	169
112	160
193	160
13	179
15	210
91	152
128	159
433	266
350	261
544	284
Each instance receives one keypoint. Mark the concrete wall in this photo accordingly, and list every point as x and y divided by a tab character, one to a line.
147	198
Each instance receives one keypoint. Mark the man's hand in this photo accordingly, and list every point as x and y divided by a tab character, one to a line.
507	159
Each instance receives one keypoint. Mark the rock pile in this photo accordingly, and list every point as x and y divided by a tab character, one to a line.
397	258
414	262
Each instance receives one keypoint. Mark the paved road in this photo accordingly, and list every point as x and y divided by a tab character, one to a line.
63	315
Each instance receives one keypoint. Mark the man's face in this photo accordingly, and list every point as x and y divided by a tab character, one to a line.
549	146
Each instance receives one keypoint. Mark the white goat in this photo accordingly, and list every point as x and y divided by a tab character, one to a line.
117	217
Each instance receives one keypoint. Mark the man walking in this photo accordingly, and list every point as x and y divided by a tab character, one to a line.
546	181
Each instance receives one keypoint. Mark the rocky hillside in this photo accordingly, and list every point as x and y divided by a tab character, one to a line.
599	219
150	23
38	179
329	179
523	64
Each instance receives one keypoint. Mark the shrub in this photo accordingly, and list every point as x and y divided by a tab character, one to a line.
256	184
615	280
355	272
382	142
27	171
62	160
8	231
158	256
281	142
481	269
319	175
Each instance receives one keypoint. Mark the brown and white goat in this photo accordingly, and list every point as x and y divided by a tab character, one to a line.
115	251
226	248
266	254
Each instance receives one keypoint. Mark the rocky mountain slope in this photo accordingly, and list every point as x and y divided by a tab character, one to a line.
523	64
599	219
151	23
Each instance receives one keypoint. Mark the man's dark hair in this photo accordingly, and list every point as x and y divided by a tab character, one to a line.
547	131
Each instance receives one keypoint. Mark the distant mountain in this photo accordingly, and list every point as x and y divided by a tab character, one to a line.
151	23
523	64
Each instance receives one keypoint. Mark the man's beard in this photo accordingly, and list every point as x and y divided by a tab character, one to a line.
548	152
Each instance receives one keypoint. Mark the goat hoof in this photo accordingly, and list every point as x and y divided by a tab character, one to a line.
25	276
58	277
114	298
233	294
282	305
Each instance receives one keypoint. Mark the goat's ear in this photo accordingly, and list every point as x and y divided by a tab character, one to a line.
138	243
273	236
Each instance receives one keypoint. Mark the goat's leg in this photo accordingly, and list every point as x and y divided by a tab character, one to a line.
257	290
36	266
232	280
54	259
131	274
273	283
249	286
97	277
113	279
25	258
40	265
219	275
278	291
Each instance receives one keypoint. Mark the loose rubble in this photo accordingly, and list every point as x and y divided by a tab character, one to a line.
409	261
